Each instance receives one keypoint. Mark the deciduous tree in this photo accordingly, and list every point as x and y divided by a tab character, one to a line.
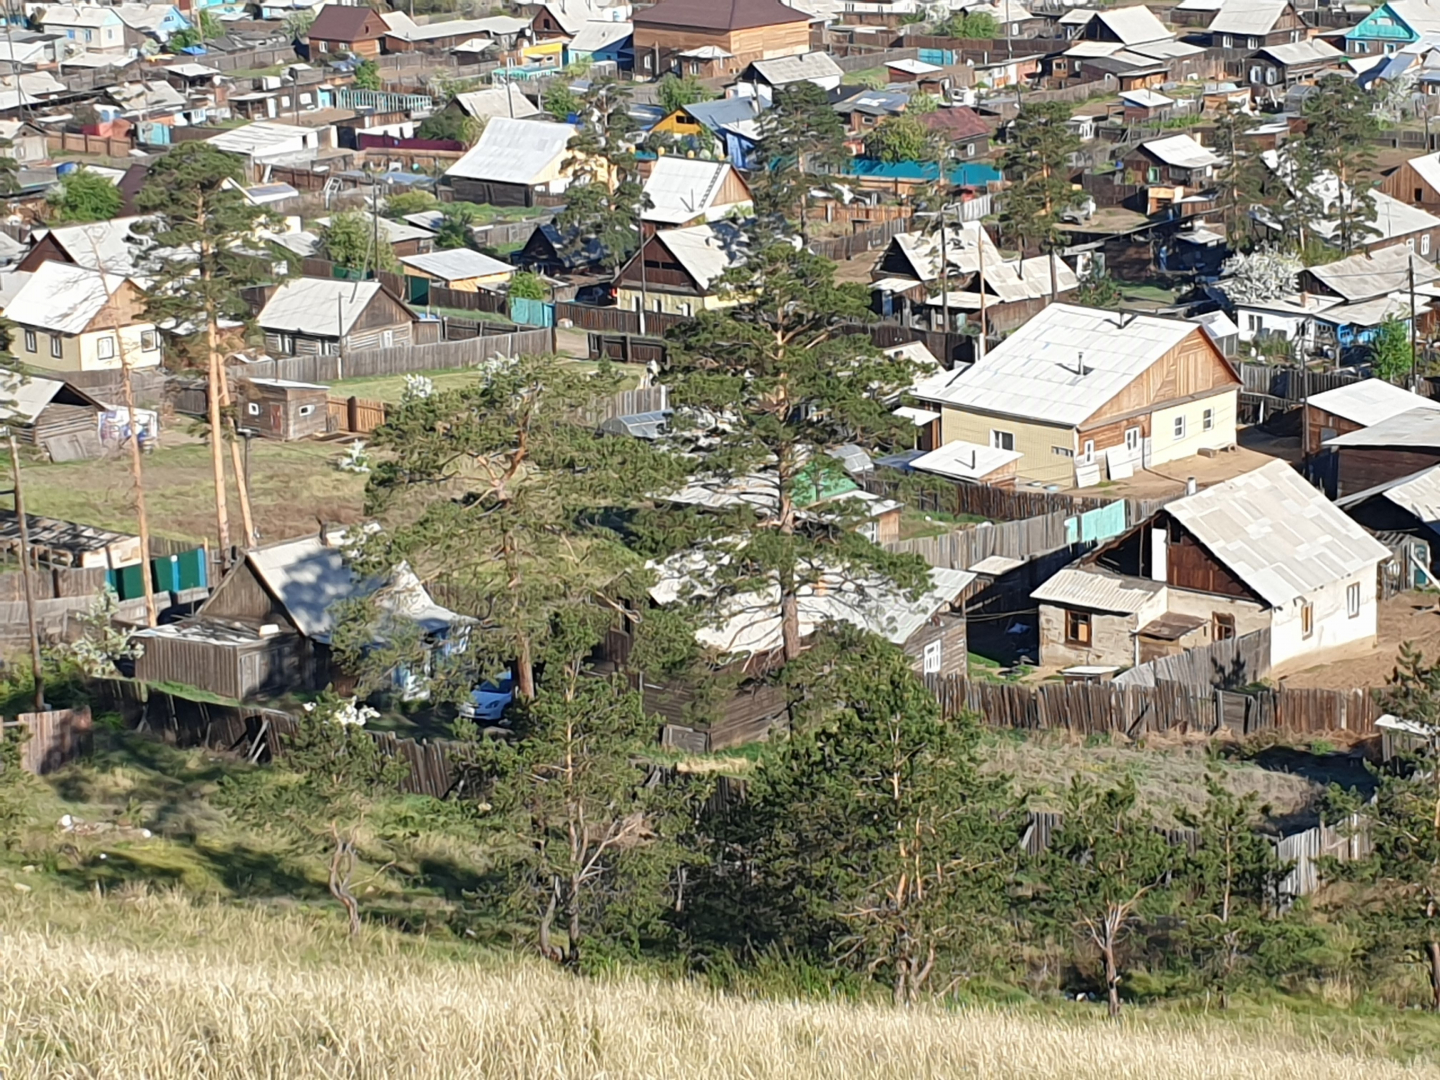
352	240
83	195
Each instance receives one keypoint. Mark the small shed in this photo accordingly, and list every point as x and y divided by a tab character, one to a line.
646	425
65	543
460	268
1141	105
971	463
48	413
282	409
1356	406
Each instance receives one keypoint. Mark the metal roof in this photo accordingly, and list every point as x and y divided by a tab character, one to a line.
718	14
807	67
1418	427
457	264
1181	151
23	398
506	100
1099	590
320	306
1419	495
1061	366
62	298
1133	25
1303	52
1247	16
706	251
683	189
1145	99
965	460
514	151
1370	401
1277	534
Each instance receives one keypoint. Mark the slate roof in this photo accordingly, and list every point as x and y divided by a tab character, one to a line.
683	189
62	298
1281	537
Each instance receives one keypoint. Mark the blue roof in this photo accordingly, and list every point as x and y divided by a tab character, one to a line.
963	174
717	114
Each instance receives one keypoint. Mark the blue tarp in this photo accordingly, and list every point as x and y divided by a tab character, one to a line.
963	174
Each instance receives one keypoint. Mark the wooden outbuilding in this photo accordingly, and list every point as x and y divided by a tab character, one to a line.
282	409
51	415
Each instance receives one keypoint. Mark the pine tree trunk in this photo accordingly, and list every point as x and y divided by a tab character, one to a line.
1435	975
242	484
572	908
790	624
217	451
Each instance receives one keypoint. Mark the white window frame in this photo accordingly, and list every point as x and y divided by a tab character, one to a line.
305	410
1087	451
1132	439
57	347
1352	600
1179	427
933	658
29	340
999	438
252	408
1425	244
105	347
1307	620
149	340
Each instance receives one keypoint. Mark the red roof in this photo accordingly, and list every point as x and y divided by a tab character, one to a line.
341	22
717	14
957	123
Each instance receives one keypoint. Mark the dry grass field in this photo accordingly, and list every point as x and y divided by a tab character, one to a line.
155	986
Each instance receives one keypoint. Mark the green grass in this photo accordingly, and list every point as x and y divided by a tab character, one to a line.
486	214
983	669
915	524
256	73
392	387
1154	293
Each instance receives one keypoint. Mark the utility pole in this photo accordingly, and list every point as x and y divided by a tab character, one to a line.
981	343
944	272
37	672
644	294
1414	356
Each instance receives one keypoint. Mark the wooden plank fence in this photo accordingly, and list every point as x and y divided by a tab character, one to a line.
860	241
1287	383
400	359
60	581
1222	665
54	738
963	548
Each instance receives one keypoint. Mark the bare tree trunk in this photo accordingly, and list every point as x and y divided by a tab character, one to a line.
1112	975
790	624
547	920
242	482
342	866
137	472
572	908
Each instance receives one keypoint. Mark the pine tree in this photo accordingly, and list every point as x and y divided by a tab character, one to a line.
1241	175
869	838
204	223
786	365
495	491
1339	126
1036	164
800	136
606	197
1106	872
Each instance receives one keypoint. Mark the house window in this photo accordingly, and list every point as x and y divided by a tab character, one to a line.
1152	175
1222	627
1088	451
1252	43
1062	451
1255	75
1253	323
29	340
687	309
1002	440
1132	439
1307	619
253	409
1419	195
1352	600
930	662
149	341
1425	244
1227	42
323	46
306	410
970	149
1410	242
105	347
1271	76
1077	627
1179	427
1207	420
57	349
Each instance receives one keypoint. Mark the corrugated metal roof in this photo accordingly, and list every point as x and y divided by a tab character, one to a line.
514	151
507	101
1277	534
1370	401
784	70
1182	151
965	461
706	251
458	264
24	398
1098	590
1418	427
1145	99
1420	495
1133	25
1363	276
62	297
321	306
683	189
1035	373
1247	16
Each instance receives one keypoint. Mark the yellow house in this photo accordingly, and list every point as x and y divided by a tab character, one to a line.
677	270
70	318
1083	394
462	269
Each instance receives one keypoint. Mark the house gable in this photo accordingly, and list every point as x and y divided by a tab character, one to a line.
243	597
1194	367
1188	563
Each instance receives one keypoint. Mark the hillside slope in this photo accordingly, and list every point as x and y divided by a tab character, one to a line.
140	985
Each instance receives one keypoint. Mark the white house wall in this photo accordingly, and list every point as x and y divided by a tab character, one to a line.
1164	447
1333	627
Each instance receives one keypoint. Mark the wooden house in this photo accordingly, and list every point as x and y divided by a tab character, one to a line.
322	316
1174	161
1407	507
1282	66
460	268
744	646
1356	406
341	29
1380	453
1145	106
554	255
266	627
728	35
46	413
1263	551
1078	391
94	29
961	128
113	246
1254	24
677	271
282	409
687	191
69	318
1416	182
515	163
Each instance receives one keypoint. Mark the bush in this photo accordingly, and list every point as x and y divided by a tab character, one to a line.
527	286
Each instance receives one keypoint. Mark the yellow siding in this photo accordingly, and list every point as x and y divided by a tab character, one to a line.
1037	442
670	303
1164	447
82	352
474	284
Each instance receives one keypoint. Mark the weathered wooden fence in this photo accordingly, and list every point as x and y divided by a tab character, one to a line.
1222	665
963	548
1291	383
860	241
53	739
61	581
1105	708
400	359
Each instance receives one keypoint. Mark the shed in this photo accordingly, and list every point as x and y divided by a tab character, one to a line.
322	316
65	543
282	409
646	425
461	269
971	463
49	413
1358	405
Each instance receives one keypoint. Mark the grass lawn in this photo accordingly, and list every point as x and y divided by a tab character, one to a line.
255	73
292	484
392	387
1154	293
918	523
485	214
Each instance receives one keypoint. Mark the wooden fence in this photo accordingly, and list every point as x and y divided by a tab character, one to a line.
629	402
54	738
61	581
963	548
996	504
400	359
861	241
1105	708
1292	383
1223	665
